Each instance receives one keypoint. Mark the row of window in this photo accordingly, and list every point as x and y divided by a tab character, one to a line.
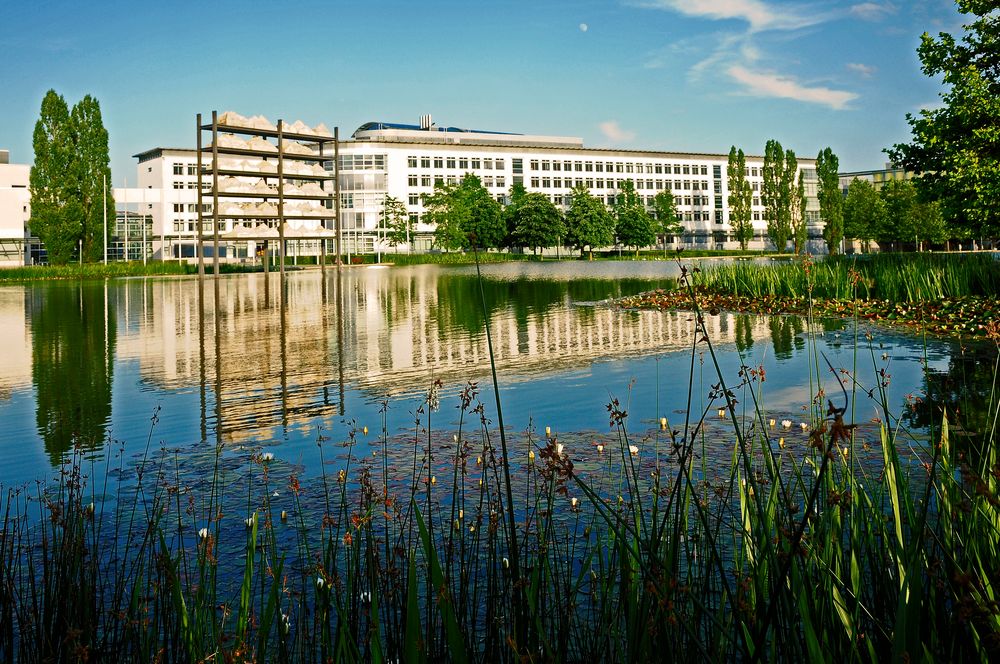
611	183
192	207
488	181
683	216
622	167
460	163
361	162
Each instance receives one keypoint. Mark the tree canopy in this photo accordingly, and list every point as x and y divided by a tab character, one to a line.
955	149
464	214
537	223
740	197
831	200
864	212
71	179
588	222
667	220
394	221
632	223
775	192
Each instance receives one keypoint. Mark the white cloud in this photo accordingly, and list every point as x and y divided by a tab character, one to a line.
764	84
613	132
584	27
759	14
872	11
865	70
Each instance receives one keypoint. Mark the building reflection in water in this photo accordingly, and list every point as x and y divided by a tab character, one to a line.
267	356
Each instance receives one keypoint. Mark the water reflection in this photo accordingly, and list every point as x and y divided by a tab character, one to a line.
249	359
73	334
964	388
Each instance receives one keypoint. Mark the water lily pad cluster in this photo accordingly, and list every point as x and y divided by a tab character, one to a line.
957	316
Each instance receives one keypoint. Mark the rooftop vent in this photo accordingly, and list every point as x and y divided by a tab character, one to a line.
425	122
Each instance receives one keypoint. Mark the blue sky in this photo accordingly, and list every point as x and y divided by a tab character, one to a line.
696	75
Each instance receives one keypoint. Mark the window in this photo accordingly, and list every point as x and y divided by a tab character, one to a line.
178	185
677	169
518	167
451	162
411	162
546	165
546	183
178	169
717	172
718	186
703	169
600	182
178	207
659	185
476	165
755	186
599	167
463	163
438	180
487	164
534	164
567	165
578	166
628	168
192	169
557	183
687	169
411	180
425	162
557	165
756	200
534	183
414	217
687	185
425	180
438	162
756	216
754	172
488	181
718	202
588	166
659	168
501	181
414	199
589	184
619	167
498	164
649	168
687	200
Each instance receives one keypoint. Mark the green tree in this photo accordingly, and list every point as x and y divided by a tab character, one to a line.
907	219
537	222
394	222
56	216
632	223
775	192
514	200
864	212
588	222
445	209
91	175
463	213
955	148
740	197
831	200
668	223
797	209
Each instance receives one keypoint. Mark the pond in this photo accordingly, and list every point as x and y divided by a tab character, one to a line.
249	362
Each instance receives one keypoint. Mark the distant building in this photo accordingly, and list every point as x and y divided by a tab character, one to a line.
15	210
877	177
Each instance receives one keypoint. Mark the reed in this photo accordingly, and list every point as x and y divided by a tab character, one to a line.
894	277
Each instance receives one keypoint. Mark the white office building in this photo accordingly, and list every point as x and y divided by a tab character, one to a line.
405	161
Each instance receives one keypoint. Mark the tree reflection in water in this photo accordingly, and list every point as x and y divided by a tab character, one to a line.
73	334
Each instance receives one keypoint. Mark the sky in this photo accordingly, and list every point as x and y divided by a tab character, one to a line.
672	75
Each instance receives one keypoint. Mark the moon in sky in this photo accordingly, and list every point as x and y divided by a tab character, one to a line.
583	27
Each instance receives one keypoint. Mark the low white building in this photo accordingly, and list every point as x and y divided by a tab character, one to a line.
15	210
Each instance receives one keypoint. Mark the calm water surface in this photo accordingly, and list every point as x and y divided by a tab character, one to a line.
253	364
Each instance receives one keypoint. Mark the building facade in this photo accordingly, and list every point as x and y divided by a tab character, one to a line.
406	161
15	210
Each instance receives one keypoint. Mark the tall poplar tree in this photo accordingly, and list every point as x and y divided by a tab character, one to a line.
831	201
775	194
56	217
796	201
92	175
632	223
70	179
740	197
